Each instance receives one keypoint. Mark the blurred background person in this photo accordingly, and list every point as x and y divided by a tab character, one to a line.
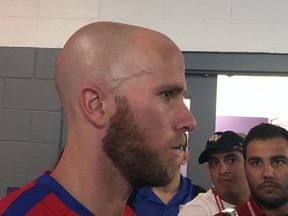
266	166
225	165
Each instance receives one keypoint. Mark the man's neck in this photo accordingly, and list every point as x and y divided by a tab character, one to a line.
236	199
280	211
167	192
92	190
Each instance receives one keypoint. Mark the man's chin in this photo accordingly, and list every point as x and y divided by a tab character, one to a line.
155	178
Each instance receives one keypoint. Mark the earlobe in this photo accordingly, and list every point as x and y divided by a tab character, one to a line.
93	107
186	157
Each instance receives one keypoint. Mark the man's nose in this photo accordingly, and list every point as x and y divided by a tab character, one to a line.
223	168
190	119
268	171
185	120
191	122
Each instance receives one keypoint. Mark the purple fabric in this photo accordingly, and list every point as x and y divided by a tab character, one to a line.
237	124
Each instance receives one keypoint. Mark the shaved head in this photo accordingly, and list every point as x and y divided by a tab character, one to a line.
106	54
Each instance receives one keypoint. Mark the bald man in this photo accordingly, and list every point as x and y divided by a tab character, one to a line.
121	89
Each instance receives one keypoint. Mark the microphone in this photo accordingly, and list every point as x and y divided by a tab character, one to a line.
229	212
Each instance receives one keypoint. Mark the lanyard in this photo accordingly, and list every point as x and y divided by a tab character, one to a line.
250	207
221	206
218	200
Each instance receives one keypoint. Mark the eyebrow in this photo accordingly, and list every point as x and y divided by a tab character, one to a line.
226	156
279	157
172	86
231	155
273	158
254	158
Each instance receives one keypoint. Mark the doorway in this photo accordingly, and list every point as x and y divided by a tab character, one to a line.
202	71
245	101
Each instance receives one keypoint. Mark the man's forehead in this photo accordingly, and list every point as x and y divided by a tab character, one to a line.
223	153
268	152
268	145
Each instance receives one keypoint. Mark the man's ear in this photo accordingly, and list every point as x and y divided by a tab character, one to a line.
92	105
208	169
186	156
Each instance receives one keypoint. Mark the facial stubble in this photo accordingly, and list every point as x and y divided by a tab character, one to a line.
132	152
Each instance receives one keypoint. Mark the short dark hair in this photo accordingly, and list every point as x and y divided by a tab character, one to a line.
264	131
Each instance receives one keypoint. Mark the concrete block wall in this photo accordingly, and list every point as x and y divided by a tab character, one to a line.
30	115
195	25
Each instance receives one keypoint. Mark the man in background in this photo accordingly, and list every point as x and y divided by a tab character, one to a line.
166	200
121	88
225	165
266	166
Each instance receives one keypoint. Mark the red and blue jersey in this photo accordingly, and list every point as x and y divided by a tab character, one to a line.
44	196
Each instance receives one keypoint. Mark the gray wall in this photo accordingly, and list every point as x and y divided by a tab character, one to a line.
202	92
29	115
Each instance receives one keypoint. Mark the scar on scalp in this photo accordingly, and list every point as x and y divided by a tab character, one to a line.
116	82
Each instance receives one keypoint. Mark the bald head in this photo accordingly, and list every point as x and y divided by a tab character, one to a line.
106	54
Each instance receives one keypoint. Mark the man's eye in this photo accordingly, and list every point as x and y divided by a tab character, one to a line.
212	163
167	95
255	163
231	160
278	162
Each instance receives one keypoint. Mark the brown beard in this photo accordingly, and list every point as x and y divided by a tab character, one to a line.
268	202
130	151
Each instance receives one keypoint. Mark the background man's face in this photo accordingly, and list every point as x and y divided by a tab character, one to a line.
266	167
226	170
